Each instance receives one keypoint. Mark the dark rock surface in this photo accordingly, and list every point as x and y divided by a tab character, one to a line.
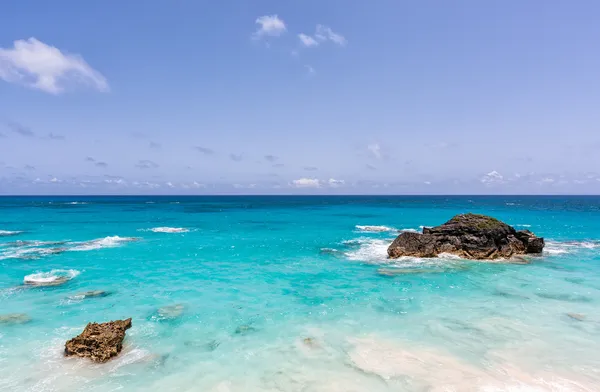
99	342
470	236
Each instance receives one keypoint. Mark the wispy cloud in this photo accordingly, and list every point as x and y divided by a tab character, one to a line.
336	183
311	168
146	164
306	183
325	33
29	167
204	150
370	167
492	178
269	25
101	164
322	34
278	165
375	150
311	71
34	64
307	40
154	145
271	158
236	157
90	159
53	136
19	128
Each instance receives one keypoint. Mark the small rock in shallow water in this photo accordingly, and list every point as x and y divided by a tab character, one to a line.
170	312
576	316
310	342
99	342
14	318
244	329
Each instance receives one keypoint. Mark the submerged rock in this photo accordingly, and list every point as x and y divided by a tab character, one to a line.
170	312
244	329
14	318
470	236
99	342
91	294
576	316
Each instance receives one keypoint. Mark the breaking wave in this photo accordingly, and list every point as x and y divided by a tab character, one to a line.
106	242
8	233
49	278
558	248
375	229
168	230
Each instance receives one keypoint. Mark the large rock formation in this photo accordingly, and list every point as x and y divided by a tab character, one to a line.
470	236
99	342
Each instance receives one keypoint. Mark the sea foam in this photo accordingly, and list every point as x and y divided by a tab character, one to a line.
106	242
374	229
47	278
7	233
169	230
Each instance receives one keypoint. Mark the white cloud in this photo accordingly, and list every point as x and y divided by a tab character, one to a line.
306	183
310	69
54	179
170	184
375	150
307	40
492	177
269	25
325	33
336	183
34	64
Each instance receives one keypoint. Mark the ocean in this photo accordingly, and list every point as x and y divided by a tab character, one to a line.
272	293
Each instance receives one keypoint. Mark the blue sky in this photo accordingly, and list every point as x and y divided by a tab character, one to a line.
190	97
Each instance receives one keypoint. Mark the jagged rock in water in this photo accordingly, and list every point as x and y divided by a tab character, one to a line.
99	342
470	236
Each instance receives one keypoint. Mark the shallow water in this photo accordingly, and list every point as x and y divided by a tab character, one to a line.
296	294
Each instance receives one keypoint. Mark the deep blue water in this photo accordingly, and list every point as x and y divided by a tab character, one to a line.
248	279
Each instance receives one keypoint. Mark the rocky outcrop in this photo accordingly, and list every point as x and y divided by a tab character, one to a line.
470	236
99	342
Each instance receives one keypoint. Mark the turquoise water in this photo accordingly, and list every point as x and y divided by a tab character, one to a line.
257	276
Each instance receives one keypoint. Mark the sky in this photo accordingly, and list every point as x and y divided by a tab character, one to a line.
299	97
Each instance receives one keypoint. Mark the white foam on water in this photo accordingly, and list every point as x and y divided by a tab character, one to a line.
409	230
106	242
558	248
370	250
77	202
42	278
374	229
7	233
168	230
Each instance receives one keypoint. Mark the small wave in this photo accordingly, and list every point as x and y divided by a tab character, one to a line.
53	277
557	248
106	242
409	230
30	253
8	233
168	230
375	229
150	202
77	203
523	225
369	249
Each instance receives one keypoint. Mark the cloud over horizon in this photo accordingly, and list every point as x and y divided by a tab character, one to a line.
36	65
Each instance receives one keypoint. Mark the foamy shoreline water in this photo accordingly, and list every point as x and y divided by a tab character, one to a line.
261	296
